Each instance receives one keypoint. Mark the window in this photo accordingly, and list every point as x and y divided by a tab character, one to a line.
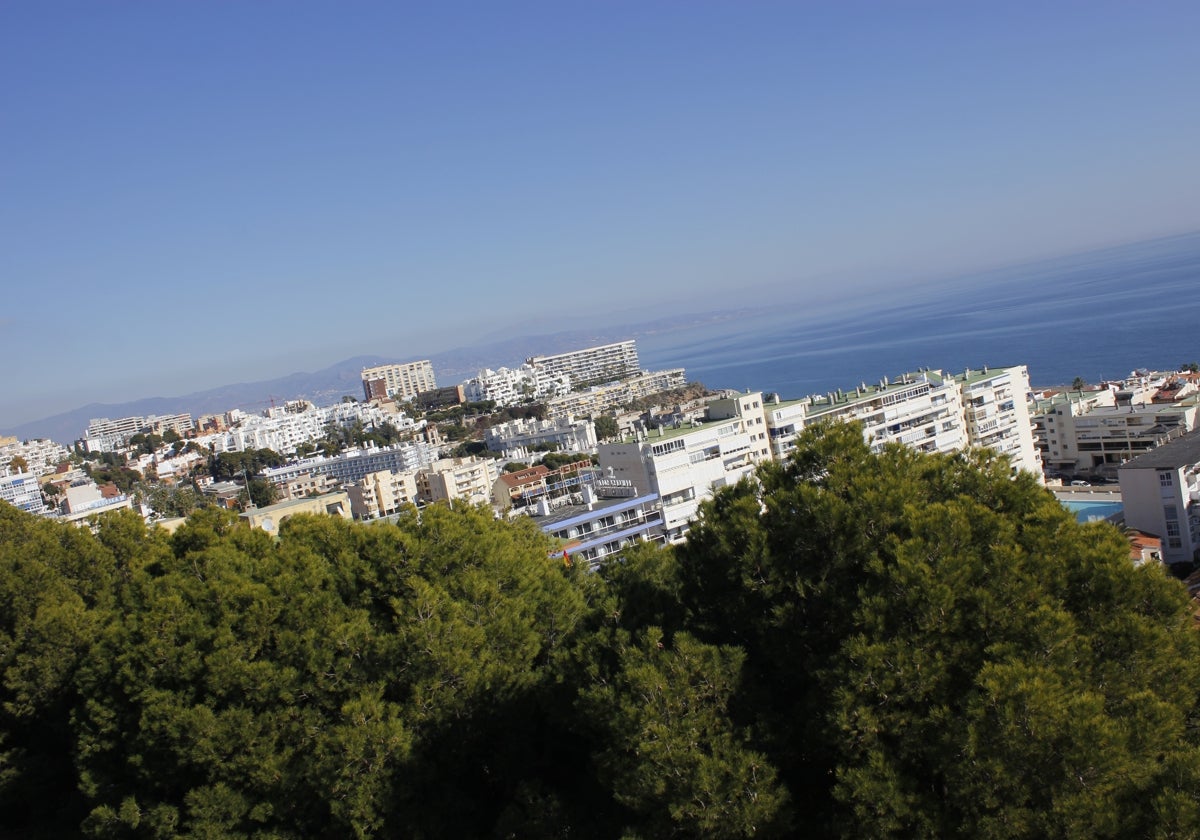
1166	479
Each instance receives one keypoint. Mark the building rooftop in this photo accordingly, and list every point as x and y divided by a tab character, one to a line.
662	433
1178	453
568	515
865	393
971	376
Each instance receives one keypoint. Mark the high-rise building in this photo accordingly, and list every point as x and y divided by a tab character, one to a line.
593	365
398	381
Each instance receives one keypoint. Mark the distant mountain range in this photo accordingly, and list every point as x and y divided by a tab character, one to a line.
332	383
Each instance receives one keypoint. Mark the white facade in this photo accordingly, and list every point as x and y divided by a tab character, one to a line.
597	530
514	386
684	466
593	365
353	464
41	455
928	410
516	438
104	435
996	410
1160	491
1096	435
83	498
22	490
284	431
601	398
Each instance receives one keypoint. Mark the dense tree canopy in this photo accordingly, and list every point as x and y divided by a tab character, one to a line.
855	644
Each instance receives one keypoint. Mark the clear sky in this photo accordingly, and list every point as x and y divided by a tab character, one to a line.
199	193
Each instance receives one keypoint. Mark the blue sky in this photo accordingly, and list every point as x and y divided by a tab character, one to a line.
198	193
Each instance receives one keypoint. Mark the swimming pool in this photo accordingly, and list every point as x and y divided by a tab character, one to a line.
1091	511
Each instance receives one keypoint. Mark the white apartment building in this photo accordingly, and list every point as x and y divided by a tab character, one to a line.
598	529
593	365
41	455
1160	491
996	410
685	465
104	435
452	479
354	464
602	398
22	490
283	431
514	386
516	439
927	410
382	493
1090	432
401	381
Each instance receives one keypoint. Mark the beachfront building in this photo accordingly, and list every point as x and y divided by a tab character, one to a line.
684	465
927	410
401	381
593	365
1091	432
922	410
1160	490
995	405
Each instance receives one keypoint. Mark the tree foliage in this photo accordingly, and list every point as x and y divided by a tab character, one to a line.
854	644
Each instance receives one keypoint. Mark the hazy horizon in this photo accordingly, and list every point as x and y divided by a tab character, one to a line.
195	194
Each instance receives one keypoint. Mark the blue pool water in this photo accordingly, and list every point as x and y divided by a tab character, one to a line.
1089	511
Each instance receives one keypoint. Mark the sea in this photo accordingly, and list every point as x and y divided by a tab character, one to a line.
1099	316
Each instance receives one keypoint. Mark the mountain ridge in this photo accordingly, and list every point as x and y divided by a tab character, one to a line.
342	378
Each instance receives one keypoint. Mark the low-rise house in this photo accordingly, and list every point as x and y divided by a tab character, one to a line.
271	517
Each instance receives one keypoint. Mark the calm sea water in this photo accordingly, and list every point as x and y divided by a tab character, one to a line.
1097	315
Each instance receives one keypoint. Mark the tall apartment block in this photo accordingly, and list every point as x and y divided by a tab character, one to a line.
928	410
399	381
593	366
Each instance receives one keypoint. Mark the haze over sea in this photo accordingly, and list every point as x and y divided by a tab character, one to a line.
1097	315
